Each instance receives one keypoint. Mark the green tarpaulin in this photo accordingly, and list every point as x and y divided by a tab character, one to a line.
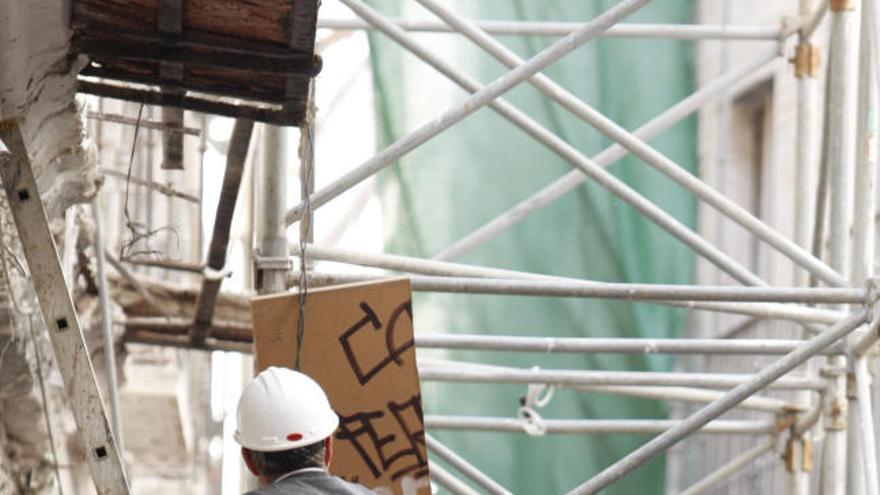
471	173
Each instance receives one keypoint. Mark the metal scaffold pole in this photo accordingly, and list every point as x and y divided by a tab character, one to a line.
736	395
863	477
823	373
639	148
807	68
478	100
271	203
840	156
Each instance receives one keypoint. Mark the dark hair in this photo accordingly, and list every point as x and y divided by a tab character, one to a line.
285	461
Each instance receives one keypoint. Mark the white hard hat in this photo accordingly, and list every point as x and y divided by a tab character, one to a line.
282	409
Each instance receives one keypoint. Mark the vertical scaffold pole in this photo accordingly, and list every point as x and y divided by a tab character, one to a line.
863	464
806	68
840	149
271	205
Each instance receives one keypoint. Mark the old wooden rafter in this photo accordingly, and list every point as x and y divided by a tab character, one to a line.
235	162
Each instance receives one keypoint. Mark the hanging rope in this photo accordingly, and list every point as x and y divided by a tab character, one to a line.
307	165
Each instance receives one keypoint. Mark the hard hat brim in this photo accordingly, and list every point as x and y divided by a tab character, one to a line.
277	444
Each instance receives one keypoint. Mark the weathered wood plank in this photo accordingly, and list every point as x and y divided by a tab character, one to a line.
259	20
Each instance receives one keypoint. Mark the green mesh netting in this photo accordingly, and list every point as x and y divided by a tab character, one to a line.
471	173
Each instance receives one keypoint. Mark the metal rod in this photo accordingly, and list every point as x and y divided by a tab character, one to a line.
543	28
840	147
641	149
271	204
807	71
864	342
236	159
409	264
476	101
165	189
497	374
862	259
445	479
143	123
605	158
862	254
107	329
603	290
810	23
241	331
875	38
866	426
167	265
616	345
746	388
542	134
731	467
466	468
594	426
698	395
801	314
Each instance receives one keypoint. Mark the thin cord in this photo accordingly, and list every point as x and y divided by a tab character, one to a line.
138	230
307	163
137	127
45	404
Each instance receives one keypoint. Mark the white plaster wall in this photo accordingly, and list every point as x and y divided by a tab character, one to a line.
37	86
774	97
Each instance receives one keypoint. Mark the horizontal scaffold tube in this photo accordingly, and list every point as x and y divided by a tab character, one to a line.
543	28
726	402
696	395
485	374
611	345
603	426
409	264
606	290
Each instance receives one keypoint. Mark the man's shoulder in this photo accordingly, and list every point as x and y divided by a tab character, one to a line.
332	484
312	483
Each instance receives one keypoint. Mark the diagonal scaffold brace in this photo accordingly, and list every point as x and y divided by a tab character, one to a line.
102	455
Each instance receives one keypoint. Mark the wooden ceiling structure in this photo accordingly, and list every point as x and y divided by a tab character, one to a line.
249	59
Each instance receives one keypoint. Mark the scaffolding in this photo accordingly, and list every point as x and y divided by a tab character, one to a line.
834	299
842	283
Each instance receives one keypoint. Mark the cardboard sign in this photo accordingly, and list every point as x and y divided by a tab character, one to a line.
358	344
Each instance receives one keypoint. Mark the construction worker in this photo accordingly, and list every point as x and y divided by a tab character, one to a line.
285	429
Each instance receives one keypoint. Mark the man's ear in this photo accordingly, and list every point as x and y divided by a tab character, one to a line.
328	450
249	462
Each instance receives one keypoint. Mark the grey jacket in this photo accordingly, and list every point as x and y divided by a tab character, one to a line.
311	481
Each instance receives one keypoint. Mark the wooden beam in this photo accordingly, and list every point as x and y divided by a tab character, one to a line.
170	23
176	300
119	46
184	342
148	97
236	158
261	20
220	329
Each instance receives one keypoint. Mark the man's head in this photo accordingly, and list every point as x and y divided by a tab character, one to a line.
271	465
285	423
